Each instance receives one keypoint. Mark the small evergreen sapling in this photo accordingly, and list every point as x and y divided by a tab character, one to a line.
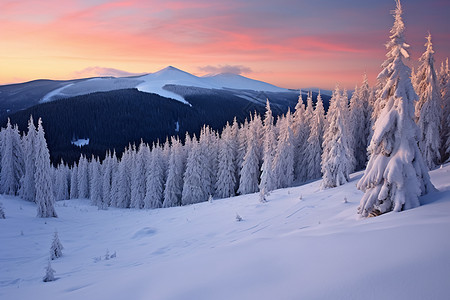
2	212
49	273
56	248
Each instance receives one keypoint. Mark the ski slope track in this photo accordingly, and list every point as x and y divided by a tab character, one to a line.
304	243
155	82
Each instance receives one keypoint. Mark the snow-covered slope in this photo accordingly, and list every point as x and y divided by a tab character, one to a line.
155	82
303	244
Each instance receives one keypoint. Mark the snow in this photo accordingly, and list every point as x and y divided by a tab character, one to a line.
81	142
304	243
155	82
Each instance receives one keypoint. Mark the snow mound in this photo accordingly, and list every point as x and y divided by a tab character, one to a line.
304	243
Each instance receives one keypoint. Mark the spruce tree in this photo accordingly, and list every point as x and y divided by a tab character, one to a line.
248	182
12	161
74	182
83	177
138	176
122	196
174	183
226	174
283	162
428	109
45	198
300	131
396	174
61	182
49	273
193	188
313	151
56	247
27	187
337	157
154	196
2	211
267	182
96	192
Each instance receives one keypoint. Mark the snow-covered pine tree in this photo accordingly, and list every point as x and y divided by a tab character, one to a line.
2	211
366	95
300	131
357	129
283	162
226	173
242	144
106	181
309	112
83	177
248	182
174	183
337	157
96	186
12	161
446	123
313	151
193	189
267	182
139	176
27	185
208	148
396	174
49	273
56	247
122	196
428	109
45	198
154	195
74	182
61	182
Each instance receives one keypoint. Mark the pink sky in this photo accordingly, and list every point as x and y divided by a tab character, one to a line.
289	43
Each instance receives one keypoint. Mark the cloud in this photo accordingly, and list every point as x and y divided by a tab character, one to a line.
101	71
233	69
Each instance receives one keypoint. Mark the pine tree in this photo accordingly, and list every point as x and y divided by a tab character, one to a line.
267	182
74	182
193	189
301	131
12	161
396	174
2	211
208	149
226	174
337	157
56	247
27	185
357	129
44	186
122	197
96	186
49	273
174	183
283	162
248	182
106	181
154	196
83	177
313	151
428	109
138	176
61	182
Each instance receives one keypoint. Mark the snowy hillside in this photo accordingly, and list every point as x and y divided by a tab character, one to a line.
304	243
155	82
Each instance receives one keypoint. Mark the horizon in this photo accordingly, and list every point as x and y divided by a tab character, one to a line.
290	45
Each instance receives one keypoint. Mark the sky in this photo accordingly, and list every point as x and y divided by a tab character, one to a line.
289	43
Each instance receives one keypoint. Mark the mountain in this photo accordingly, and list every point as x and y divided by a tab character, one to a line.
20	96
113	112
304	243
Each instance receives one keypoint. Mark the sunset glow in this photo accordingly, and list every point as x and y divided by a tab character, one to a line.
288	43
